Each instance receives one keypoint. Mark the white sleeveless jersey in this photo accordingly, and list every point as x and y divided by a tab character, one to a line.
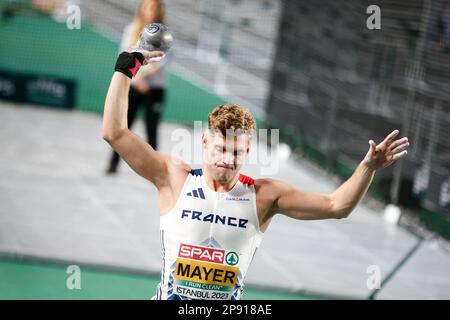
208	241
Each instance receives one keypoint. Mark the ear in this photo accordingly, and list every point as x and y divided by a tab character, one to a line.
249	143
204	139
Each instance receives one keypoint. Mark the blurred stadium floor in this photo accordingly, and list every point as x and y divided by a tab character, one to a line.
56	204
40	280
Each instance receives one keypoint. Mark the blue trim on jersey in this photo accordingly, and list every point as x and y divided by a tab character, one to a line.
202	195
196	193
196	172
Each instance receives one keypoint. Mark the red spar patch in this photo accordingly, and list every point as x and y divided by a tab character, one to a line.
201	253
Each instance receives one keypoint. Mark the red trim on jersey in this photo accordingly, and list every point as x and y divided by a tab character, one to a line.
246	180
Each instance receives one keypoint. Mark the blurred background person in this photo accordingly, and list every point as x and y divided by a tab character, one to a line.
439	29
148	87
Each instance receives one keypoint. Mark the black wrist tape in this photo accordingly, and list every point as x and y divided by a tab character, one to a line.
129	63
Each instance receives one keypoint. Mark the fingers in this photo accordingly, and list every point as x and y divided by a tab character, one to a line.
391	137
156	57
153	54
373	147
149	56
400	148
398	142
399	155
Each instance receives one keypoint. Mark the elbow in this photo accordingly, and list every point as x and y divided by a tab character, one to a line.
107	136
339	211
111	136
342	214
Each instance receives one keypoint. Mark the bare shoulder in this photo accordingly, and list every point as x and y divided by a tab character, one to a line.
268	186
269	190
266	195
177	170
264	183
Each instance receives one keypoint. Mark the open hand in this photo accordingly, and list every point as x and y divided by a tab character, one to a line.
382	155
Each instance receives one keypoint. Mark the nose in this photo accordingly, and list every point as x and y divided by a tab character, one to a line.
227	159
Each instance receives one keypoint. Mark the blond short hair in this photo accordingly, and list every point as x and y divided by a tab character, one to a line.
232	117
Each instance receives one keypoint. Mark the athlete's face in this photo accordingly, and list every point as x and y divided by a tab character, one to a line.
225	155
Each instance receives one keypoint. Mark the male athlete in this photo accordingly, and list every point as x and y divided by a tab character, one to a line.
212	219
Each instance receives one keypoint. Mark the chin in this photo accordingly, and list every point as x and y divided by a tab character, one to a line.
224	176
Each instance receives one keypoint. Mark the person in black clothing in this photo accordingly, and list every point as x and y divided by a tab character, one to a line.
148	87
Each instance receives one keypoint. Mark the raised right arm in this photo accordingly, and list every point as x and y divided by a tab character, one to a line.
139	155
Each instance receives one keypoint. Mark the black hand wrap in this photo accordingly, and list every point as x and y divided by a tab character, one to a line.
129	63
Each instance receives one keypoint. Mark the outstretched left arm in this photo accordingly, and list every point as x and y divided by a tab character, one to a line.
339	204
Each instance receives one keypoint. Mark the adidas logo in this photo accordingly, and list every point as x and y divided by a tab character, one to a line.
196	193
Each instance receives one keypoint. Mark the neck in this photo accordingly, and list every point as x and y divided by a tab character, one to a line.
219	186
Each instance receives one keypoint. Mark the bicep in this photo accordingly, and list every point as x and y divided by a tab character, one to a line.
141	157
301	205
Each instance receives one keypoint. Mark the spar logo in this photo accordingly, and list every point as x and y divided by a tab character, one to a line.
208	254
201	253
232	258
